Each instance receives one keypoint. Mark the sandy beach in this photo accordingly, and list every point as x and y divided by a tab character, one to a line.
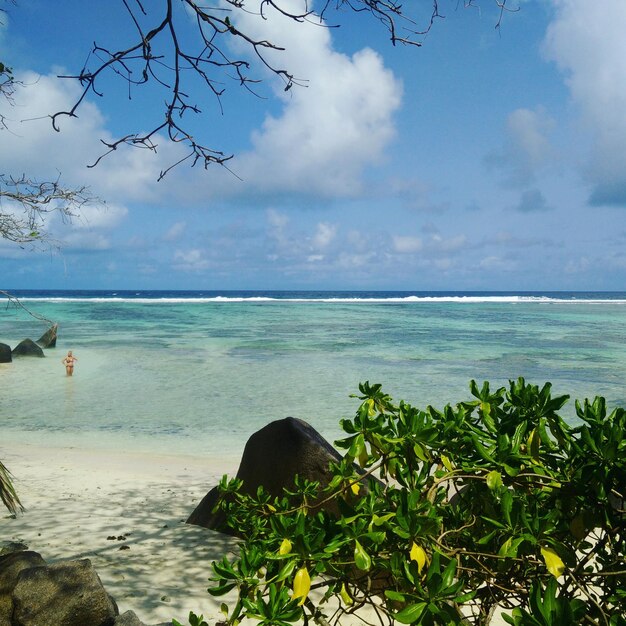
125	512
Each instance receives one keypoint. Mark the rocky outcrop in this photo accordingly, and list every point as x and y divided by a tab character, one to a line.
49	338
5	353
273	456
27	348
10	567
67	593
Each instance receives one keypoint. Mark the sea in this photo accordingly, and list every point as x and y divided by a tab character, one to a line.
197	372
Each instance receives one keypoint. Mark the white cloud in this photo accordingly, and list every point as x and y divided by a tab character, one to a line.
407	244
83	241
106	216
319	140
449	245
190	260
352	261
496	263
526	147
586	40
527	130
31	146
175	231
324	235
329	131
276	219
91	230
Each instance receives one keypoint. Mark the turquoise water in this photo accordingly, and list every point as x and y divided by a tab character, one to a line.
198	374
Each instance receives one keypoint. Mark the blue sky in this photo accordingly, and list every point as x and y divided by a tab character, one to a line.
484	159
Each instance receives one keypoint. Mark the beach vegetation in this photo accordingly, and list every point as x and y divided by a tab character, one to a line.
493	505
8	494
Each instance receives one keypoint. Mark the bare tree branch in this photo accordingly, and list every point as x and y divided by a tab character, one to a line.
161	54
25	204
17	303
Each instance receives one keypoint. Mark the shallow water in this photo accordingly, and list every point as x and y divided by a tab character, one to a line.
197	374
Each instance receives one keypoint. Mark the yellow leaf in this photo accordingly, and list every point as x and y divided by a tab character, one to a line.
285	547
418	554
447	463
345	596
301	585
355	488
553	562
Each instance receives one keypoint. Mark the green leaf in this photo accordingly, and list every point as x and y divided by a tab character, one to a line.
449	572
420	453
361	558
506	504
494	480
395	596
358	446
482	451
286	570
380	520
411	613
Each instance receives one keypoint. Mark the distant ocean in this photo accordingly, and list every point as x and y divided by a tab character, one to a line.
196	372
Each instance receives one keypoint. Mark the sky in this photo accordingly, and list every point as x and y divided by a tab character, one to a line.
485	159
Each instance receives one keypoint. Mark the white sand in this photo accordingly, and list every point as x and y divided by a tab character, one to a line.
76	499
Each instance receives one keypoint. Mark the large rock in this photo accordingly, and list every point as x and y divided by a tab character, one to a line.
272	458
64	594
5	353
11	565
27	348
49	338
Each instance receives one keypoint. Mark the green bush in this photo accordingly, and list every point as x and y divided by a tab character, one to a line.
444	516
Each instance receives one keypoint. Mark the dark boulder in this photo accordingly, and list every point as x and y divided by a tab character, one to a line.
5	353
49	338
27	348
273	456
11	565
69	593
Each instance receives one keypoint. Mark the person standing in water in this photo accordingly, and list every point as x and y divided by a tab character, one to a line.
68	361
